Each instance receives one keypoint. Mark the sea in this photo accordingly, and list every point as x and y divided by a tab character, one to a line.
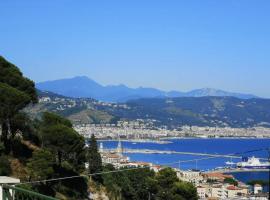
239	147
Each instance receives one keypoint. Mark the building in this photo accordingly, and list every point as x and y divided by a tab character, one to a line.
221	191
219	177
257	189
201	192
235	192
7	180
192	176
116	158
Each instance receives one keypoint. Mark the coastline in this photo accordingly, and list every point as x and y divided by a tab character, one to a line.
165	140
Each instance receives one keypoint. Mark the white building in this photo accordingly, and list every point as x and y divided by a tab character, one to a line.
7	180
191	176
258	189
201	192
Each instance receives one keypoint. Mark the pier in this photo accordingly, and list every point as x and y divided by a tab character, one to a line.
150	151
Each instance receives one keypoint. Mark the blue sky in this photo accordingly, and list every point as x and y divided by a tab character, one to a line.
171	45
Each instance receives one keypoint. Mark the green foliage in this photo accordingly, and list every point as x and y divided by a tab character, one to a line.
94	159
231	181
5	169
75	188
20	150
145	184
12	76
183	190
11	101
63	141
2	148
53	148
26	127
170	188
62	154
50	119
16	92
166	178
40	166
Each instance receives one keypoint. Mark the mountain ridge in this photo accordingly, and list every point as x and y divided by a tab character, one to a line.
170	112
84	87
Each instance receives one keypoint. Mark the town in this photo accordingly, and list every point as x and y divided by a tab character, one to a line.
136	131
209	185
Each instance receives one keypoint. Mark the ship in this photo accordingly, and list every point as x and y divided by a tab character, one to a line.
252	163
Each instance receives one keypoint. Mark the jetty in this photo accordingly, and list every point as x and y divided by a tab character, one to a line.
150	151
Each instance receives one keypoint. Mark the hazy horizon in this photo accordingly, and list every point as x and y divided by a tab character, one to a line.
145	86
181	45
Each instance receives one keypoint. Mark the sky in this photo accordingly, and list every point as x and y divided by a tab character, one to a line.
170	45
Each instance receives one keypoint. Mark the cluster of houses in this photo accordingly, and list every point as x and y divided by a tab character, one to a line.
210	186
213	186
118	160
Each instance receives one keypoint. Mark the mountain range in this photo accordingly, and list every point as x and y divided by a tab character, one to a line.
84	87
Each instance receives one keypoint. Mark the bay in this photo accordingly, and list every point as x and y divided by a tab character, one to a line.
209	146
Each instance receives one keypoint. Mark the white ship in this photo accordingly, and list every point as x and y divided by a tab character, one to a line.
253	163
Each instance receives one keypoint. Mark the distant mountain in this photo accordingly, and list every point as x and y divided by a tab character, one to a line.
218	93
83	87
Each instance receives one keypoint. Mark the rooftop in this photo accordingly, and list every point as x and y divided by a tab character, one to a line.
8	180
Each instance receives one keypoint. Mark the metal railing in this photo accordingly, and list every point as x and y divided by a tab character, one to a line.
17	193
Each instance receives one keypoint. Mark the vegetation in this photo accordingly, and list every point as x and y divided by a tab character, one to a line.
49	148
5	169
44	149
94	160
231	181
145	184
173	112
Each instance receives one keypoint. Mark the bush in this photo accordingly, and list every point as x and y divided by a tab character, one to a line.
5	169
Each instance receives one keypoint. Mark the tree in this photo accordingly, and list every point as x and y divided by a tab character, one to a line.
184	190
171	188
62	140
5	169
16	91
231	181
166	178
40	166
94	159
50	119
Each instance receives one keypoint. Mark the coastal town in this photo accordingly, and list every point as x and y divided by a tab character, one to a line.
138	131
141	128
209	185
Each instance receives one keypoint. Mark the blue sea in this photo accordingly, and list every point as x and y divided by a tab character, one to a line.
210	146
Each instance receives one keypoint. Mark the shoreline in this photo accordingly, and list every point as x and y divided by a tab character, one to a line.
166	140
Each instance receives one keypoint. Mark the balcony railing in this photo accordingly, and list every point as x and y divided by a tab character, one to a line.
16	193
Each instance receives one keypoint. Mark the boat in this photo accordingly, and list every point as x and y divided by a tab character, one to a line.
230	163
252	163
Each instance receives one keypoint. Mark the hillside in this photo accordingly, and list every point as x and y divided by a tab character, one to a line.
81	110
172	112
202	111
84	87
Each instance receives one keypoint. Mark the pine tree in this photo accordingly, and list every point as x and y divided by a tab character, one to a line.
94	160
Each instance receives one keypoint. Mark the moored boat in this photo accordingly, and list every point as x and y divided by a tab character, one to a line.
253	163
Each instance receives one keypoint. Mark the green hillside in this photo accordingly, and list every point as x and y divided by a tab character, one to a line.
172	112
